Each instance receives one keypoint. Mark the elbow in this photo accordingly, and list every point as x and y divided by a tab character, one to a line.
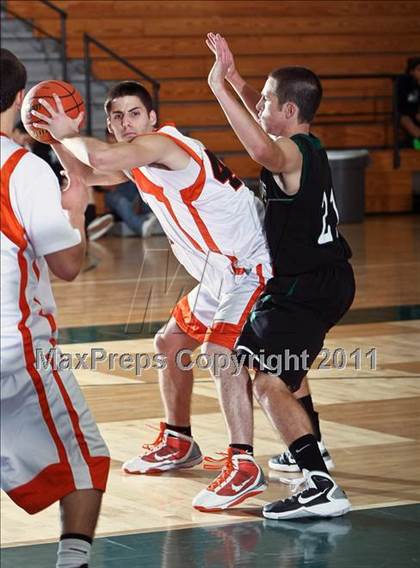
98	160
263	155
258	153
68	273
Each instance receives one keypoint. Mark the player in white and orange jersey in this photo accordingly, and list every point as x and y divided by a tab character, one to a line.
211	221
51	449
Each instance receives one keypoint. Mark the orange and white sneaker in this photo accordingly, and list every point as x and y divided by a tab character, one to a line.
240	478
170	450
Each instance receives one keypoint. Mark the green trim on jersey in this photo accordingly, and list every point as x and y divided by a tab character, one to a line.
316	143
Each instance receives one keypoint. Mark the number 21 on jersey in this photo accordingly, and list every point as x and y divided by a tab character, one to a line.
330	219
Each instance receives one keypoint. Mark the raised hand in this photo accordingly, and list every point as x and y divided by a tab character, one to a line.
223	63
58	123
211	41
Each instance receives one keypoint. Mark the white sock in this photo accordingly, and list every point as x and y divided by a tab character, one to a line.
73	552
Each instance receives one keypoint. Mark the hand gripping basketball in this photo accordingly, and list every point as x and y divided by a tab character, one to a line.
52	110
58	123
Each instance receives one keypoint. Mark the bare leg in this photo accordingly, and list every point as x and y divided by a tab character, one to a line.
80	511
303	390
175	384
285	413
235	395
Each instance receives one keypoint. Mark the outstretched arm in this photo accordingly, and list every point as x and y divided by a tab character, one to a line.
143	150
90	177
280	155
246	92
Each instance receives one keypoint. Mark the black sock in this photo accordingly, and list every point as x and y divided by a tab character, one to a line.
90	214
306	402
185	430
306	453
243	447
77	536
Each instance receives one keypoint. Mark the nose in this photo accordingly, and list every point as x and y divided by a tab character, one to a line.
126	121
260	105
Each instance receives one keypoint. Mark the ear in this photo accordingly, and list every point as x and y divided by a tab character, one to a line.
19	99
153	117
291	110
108	126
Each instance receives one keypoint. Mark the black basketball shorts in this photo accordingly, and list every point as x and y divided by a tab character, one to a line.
285	330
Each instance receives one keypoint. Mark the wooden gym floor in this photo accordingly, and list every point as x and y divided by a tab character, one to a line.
369	416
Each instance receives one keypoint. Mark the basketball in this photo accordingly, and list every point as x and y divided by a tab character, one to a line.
70	98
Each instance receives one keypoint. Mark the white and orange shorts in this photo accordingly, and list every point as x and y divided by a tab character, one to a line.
218	316
50	444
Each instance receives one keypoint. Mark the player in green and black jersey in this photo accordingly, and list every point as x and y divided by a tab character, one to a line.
313	284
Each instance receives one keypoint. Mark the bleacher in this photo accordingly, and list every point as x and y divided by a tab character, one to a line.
165	39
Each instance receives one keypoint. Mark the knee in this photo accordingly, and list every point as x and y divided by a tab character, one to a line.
169	343
209	349
161	343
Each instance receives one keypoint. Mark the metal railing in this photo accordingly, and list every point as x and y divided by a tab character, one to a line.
62	41
394	112
88	40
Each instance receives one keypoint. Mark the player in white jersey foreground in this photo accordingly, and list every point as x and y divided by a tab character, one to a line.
51	449
212	224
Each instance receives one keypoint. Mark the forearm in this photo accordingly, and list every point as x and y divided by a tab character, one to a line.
83	148
410	126
69	162
246	92
253	138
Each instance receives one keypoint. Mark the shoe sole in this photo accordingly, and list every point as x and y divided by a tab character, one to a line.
295	468
95	235
311	513
166	468
240	499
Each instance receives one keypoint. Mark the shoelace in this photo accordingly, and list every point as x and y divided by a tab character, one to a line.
226	471
159	440
212	463
294	482
299	486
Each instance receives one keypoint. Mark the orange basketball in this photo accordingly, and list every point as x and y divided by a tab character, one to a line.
70	98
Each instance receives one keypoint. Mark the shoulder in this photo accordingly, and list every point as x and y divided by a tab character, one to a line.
291	153
36	164
33	177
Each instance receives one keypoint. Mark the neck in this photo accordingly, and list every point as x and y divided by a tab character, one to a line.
7	121
296	129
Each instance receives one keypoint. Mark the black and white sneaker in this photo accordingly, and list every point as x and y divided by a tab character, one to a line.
286	462
320	497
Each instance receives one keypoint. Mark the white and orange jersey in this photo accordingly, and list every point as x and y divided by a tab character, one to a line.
208	214
33	224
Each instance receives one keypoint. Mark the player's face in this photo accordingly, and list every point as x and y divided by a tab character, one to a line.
416	73
129	118
271	115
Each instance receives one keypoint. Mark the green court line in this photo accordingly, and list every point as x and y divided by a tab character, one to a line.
373	538
118	332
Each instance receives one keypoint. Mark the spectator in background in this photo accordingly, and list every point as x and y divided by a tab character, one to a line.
408	102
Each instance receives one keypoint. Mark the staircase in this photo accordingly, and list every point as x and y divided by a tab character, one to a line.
41	57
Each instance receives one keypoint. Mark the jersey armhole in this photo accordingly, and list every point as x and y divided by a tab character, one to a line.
303	149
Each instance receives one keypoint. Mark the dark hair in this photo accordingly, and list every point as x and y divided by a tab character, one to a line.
129	88
12	78
300	86
412	63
